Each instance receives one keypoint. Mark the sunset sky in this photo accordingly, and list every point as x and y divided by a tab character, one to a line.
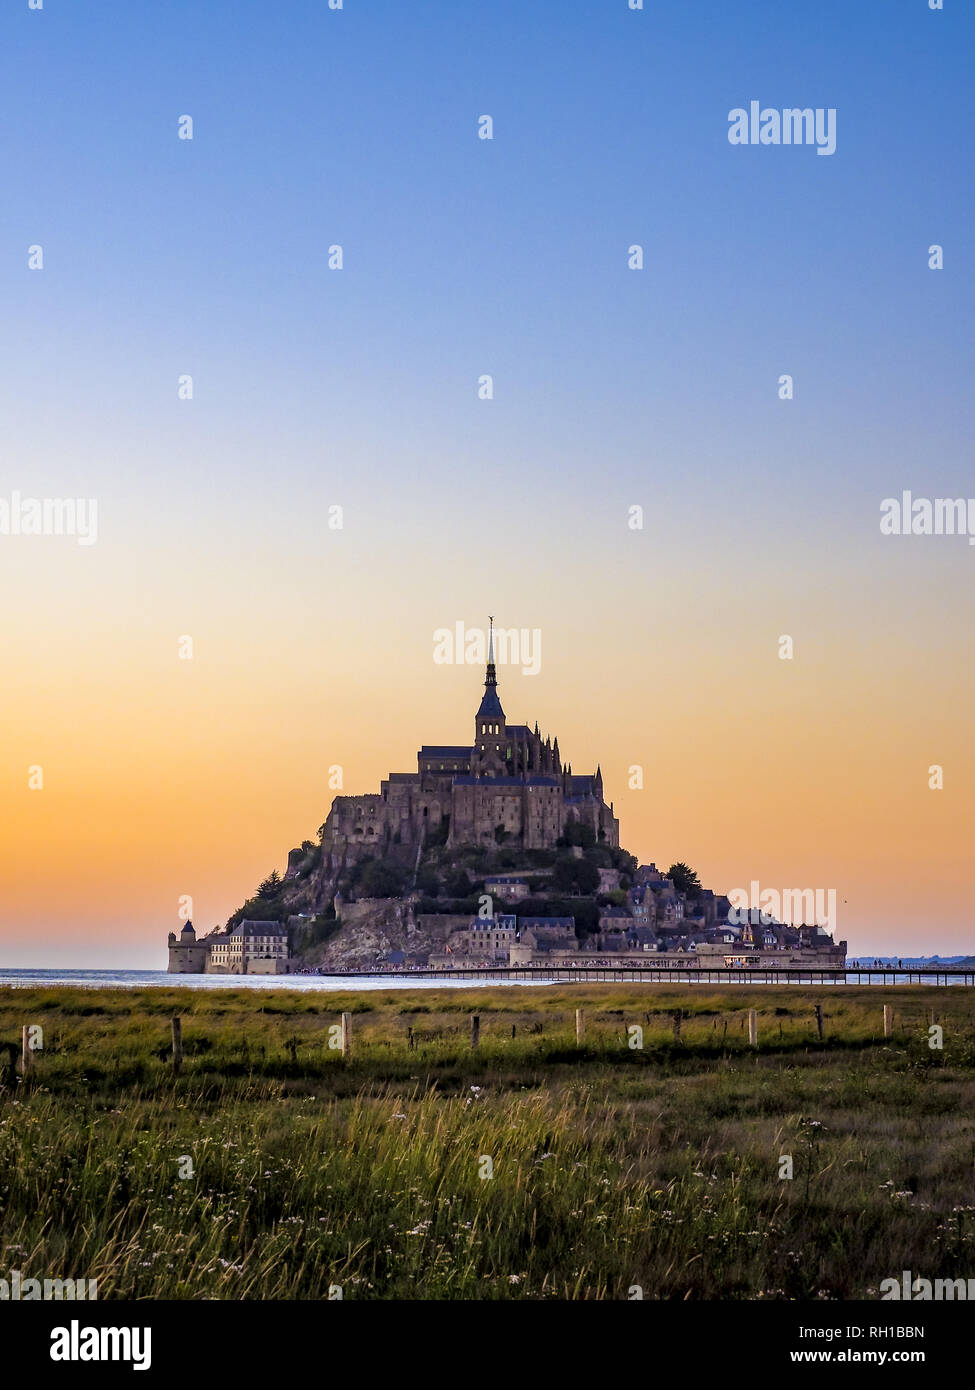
357	388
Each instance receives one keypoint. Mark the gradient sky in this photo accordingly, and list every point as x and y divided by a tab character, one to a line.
357	387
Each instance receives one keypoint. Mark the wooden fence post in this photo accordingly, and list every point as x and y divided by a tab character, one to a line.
819	1021
346	1034
888	1020
677	1016
26	1056
177	1046
410	1039
580	1026
475	1030
753	1028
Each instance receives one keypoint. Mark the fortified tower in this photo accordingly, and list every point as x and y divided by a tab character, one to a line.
187	956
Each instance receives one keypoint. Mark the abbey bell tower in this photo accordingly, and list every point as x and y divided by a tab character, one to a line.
488	753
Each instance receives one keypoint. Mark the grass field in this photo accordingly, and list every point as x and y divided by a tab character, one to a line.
273	1167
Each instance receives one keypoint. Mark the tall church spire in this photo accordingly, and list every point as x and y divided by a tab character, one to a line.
490	704
491	675
490	749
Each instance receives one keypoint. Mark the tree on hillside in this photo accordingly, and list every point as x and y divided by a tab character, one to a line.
270	885
626	863
428	881
575	832
575	876
684	879
459	884
379	880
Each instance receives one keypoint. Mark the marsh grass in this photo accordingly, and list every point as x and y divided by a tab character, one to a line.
612	1166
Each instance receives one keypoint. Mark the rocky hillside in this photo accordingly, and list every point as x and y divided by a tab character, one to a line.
351	908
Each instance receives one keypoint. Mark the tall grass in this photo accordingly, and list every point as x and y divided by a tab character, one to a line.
612	1166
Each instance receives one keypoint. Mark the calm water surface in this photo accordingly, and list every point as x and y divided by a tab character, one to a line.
142	979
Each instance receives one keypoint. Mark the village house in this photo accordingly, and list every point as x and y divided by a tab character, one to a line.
506	887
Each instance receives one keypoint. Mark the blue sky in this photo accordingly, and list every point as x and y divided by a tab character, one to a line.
315	126
462	257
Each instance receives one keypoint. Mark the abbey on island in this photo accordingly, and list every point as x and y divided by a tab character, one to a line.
501	822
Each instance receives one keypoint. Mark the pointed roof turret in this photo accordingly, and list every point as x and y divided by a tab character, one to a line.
490	706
